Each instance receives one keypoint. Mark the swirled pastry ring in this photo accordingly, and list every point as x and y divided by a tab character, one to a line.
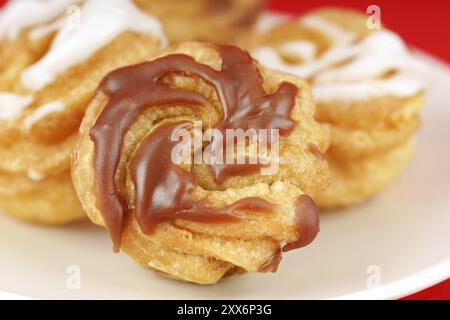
200	222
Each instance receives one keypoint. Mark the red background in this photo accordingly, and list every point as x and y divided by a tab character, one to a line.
424	24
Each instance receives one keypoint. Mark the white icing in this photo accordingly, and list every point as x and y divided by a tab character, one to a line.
46	29
269	20
35	175
42	112
380	52
332	31
101	22
12	104
353	71
270	58
19	15
302	49
397	86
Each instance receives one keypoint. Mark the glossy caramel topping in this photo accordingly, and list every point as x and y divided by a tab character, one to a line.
163	189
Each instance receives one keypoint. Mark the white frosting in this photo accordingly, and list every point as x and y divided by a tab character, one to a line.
399	86
269	20
35	175
352	71
332	31
270	58
18	15
41	112
302	49
12	104
101	22
46	29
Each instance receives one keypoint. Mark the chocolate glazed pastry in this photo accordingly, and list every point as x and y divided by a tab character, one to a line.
199	222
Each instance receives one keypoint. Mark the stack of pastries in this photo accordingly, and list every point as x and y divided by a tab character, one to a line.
368	88
88	120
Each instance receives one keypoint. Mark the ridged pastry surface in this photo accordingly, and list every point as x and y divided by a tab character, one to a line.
222	228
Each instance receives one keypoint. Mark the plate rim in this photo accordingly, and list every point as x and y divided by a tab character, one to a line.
397	289
404	286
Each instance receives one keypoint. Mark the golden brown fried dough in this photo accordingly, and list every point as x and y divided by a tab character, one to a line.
193	250
51	201
356	181
216	21
48	74
368	89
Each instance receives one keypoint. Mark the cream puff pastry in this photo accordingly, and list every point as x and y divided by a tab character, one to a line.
197	221
52	56
368	88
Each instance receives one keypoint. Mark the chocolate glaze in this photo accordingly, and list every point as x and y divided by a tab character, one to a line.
271	265
249	17
164	193
307	222
220	6
315	151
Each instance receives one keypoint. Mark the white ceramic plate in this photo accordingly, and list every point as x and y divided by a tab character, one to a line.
403	236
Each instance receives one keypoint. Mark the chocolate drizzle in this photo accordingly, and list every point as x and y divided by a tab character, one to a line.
162	189
220	6
271	265
315	151
164	193
306	221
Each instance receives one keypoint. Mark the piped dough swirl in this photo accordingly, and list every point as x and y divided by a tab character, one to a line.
225	217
